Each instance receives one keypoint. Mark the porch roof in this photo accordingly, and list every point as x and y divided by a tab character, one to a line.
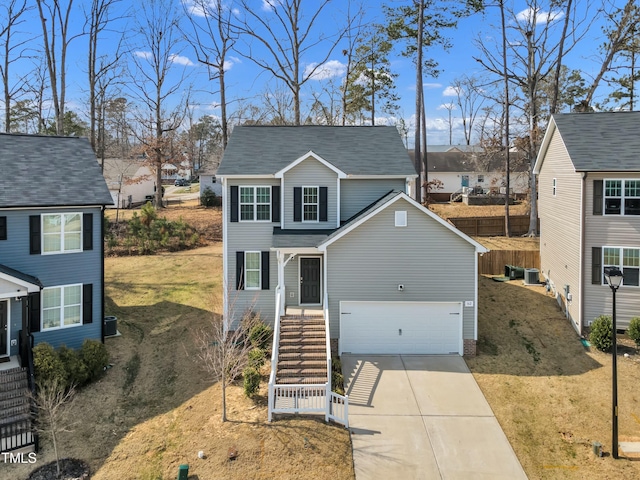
294	238
14	283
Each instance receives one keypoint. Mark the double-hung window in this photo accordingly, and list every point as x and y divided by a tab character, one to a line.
255	204
61	307
310	203
252	270
627	260
622	197
61	233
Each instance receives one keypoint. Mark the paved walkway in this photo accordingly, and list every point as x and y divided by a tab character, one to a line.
423	417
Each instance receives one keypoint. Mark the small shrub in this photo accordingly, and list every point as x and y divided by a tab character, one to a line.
210	199
634	330
261	336
74	366
601	333
95	357
48	366
257	357
337	379
251	381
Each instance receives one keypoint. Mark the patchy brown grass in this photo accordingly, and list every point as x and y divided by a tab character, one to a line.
454	210
155	409
509	243
551	396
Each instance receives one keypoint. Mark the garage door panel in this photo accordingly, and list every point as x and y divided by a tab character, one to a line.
400	327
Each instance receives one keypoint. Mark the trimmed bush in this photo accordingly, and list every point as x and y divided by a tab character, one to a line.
95	357
337	379
210	199
601	333
634	330
75	368
257	357
261	336
48	366
251	381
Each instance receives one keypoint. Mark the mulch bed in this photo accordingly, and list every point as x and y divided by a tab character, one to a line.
70	469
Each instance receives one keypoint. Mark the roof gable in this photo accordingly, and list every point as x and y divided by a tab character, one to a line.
386	201
308	155
597	141
355	151
47	171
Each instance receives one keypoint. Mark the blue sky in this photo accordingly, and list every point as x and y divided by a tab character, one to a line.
247	84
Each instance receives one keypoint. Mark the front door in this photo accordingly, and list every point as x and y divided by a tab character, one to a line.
4	330
310	280
465	181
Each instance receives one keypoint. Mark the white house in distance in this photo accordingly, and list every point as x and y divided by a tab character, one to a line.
208	180
129	181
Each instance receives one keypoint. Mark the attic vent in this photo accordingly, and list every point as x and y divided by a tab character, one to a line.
401	218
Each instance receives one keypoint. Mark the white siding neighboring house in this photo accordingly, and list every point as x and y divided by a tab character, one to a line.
589	205
209	179
129	181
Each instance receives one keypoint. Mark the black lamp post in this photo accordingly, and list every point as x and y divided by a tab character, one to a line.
614	279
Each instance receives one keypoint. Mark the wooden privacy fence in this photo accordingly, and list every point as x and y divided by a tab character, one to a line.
493	262
492	226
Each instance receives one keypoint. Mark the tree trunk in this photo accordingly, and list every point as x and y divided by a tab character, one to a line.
223	107
507	219
419	93
556	78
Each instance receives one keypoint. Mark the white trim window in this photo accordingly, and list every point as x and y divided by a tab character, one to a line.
622	197
252	272
61	233
61	307
627	260
310	204
255	204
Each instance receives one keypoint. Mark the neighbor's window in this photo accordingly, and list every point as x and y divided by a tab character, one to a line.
480	178
61	307
255	203
62	233
310	204
252	270
627	260
622	197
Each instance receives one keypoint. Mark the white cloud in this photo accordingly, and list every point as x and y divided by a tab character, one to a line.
330	69
199	8
541	17
180	60
230	62
145	55
269	5
431	85
451	91
447	106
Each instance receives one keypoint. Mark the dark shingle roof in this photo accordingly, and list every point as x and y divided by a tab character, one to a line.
298	238
40	171
601	141
19	275
263	150
440	162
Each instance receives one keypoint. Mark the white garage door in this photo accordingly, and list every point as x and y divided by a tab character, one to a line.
401	327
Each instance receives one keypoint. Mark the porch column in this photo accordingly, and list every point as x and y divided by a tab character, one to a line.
280	257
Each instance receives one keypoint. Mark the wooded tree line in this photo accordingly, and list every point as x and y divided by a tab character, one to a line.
139	98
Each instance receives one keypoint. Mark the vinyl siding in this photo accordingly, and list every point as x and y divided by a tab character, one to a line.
250	236
614	231
291	281
560	225
433	264
310	173
356	194
52	270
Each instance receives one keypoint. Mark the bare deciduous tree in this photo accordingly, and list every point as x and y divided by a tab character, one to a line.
469	99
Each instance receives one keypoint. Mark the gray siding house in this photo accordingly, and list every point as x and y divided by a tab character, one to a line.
319	221
589	205
52	197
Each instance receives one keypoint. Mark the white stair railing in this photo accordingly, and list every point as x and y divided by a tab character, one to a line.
274	353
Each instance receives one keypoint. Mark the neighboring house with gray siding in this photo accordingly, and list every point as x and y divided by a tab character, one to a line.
319	219
52	198
589	206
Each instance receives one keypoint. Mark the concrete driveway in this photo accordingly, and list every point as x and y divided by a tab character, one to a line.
423	417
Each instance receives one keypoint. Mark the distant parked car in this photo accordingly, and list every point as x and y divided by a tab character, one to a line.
181	182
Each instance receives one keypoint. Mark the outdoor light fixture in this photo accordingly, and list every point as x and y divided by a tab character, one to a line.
613	275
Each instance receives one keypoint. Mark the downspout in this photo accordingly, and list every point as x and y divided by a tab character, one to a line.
581	283
102	273
225	255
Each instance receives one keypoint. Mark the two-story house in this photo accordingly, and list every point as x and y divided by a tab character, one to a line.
589	205
319	223
52	196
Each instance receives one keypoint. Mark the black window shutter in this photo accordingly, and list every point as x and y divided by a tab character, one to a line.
597	197
265	270
34	235
239	270
234	203
3	228
275	204
297	204
34	312
87	303
596	265
323	204
87	231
